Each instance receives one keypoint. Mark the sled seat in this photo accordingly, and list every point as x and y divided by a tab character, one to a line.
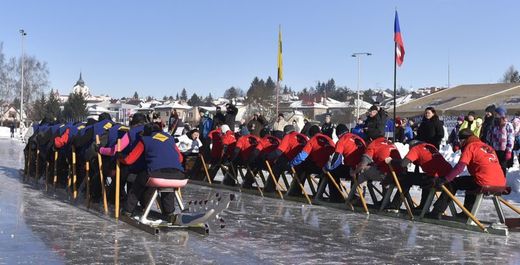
163	185
495	192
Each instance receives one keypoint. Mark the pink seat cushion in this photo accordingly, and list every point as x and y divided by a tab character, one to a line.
166	183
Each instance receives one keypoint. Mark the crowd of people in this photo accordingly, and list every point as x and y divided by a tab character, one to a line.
147	149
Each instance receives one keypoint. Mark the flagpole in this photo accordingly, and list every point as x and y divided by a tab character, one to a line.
395	82
277	96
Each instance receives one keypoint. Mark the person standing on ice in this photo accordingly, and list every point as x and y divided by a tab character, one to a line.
501	137
327	127
453	139
484	169
472	123
489	118
431	130
375	122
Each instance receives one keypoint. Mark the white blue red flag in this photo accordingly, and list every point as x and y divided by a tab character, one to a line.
398	39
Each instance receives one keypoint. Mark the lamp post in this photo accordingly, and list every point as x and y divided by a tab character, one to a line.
22	62
358	55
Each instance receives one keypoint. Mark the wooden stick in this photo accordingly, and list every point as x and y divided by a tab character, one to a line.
103	190
331	178
362	198
118	176
87	176
403	198
74	175
55	180
512	207
254	177
37	170
301	186
471	216
46	175
205	168
311	180
277	185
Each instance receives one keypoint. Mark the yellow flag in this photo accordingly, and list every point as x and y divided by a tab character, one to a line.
280	61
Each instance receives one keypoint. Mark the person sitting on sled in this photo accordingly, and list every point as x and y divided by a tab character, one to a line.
243	154
373	165
347	155
162	160
291	144
311	159
432	163
483	167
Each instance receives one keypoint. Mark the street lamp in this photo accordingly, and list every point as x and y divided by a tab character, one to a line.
358	56
22	34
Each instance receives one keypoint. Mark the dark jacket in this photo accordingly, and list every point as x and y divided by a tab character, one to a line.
218	119
399	136
376	123
256	126
231	114
305	129
486	128
431	131
327	129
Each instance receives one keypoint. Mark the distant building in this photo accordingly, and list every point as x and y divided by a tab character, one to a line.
81	88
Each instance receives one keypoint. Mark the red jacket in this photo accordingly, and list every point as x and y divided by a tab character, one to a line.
378	150
268	144
319	148
216	141
351	147
247	144
482	163
292	144
429	159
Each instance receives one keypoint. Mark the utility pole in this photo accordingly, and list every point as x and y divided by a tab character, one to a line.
22	34
358	55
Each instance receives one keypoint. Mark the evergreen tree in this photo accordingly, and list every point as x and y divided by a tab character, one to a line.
177	96
52	106
195	100
38	109
184	94
233	92
270	87
208	101
75	109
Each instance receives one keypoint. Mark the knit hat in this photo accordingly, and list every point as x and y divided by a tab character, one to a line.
501	111
341	129
465	133
224	128
138	118
104	116
413	143
373	133
471	113
490	108
460	118
288	129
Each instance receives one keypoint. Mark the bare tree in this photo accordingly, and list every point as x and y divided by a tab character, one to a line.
511	75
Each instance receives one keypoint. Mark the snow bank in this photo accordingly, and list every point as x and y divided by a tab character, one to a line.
513	174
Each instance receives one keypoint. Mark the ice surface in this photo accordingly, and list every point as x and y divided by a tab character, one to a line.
39	229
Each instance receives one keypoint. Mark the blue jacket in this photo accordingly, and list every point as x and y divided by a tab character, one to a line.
160	152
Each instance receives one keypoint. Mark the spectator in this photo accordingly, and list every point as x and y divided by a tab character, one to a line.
218	118
327	127
376	121
408	131
205	126
306	126
12	129
414	127
516	126
399	136
453	139
256	124
501	137
295	124
358	129
471	123
431	130
231	114
488	123
173	121
278	126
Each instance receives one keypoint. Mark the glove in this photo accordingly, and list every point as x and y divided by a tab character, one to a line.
388	160
438	182
509	155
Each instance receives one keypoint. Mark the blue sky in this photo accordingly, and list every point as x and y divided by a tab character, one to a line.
159	47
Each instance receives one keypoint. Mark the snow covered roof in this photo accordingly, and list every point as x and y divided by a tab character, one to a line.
174	105
300	105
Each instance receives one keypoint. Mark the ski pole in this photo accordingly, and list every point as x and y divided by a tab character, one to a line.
471	216
254	177
512	207
74	174
55	180
87	179
335	183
